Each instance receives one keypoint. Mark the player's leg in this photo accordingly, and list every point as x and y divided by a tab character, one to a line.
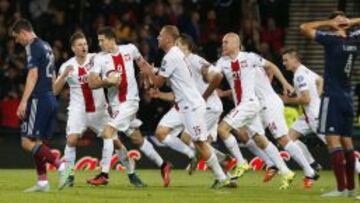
108	148
330	124
127	162
169	127
194	122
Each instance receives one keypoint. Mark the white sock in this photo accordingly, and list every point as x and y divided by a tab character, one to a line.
219	155
305	151
70	155
108	149
176	144
233	147
148	149
274	155
128	163
253	148
42	183
213	163
298	156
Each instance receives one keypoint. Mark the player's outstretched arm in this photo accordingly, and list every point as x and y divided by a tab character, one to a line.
60	81
31	80
95	82
166	96
302	99
156	80
287	88
309	29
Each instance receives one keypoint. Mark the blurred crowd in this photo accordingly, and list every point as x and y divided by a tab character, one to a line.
260	23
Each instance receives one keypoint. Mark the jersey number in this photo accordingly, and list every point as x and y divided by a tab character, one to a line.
348	65
51	59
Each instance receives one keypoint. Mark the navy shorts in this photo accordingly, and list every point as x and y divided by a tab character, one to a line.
40	117
336	115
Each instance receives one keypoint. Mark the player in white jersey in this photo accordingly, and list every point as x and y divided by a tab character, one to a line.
188	99
87	108
309	87
170	126
114	70
239	69
272	116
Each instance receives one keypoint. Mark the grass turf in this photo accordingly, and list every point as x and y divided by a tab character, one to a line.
184	188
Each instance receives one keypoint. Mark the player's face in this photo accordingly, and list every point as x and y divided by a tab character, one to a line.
162	39
105	44
80	47
289	61
227	46
19	37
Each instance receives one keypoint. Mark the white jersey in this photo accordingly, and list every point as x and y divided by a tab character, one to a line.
122	61
240	74
264	91
305	79
174	68
81	96
196	63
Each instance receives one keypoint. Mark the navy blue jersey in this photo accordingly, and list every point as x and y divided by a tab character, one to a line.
340	54
39	55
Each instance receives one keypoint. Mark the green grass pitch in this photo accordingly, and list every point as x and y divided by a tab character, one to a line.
184	188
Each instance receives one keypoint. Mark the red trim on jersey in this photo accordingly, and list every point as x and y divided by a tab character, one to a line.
235	67
119	63
87	93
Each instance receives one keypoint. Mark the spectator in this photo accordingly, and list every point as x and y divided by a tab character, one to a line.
273	35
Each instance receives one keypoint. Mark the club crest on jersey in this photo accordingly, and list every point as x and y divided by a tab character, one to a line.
127	57
243	64
300	78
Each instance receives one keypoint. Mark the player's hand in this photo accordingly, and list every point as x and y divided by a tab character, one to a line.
154	93
67	71
288	89
284	98
146	68
114	78
21	111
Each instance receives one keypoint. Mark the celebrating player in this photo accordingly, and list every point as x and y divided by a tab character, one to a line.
87	108
114	70
188	99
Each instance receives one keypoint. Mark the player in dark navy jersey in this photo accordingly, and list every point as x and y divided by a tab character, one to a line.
342	44
38	105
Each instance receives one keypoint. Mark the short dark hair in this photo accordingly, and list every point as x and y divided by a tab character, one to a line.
172	30
187	40
108	32
292	51
76	36
22	24
334	14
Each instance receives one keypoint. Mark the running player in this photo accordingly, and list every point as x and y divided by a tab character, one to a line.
87	108
188	100
239	69
38	105
123	97
342	45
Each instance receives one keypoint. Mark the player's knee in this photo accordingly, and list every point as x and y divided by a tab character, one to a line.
223	130
260	141
284	140
72	140
27	144
137	140
241	134
161	133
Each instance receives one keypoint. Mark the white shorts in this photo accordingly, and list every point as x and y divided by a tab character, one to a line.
246	114
123	117
304	128
273	118
172	119
194	123
79	121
